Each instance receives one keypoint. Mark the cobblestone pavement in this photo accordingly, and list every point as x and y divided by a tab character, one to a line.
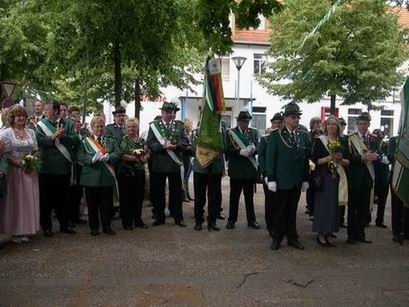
168	265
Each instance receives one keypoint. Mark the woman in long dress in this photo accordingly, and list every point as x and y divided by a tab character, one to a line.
20	215
333	192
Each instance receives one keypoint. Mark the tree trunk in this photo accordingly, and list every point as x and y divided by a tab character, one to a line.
117	74
333	104
137	98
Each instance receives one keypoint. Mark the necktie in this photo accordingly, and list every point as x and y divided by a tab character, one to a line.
99	140
168	126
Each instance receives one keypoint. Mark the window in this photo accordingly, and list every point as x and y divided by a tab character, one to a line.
260	63
225	68
259	121
352	115
387	122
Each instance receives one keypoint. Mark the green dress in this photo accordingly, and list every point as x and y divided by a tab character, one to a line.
130	169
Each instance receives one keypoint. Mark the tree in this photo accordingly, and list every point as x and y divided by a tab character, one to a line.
355	54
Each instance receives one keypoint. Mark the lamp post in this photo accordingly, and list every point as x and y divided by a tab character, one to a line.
239	62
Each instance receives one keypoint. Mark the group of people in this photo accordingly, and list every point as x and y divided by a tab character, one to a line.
109	163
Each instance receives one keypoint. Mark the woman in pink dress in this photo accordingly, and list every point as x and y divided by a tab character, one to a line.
19	215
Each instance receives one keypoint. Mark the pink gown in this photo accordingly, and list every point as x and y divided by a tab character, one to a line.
19	212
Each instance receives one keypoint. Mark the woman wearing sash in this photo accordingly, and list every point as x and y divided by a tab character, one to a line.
97	156
331	191
131	176
20	213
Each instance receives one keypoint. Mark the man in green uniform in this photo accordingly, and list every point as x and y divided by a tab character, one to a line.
166	140
116	131
241	150
56	138
287	172
38	115
361	179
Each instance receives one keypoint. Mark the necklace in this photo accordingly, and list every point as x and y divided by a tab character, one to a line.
19	133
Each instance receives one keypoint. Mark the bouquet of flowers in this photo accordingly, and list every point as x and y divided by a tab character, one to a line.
139	152
333	149
30	164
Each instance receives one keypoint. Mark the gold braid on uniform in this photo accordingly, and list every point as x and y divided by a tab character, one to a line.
235	145
284	141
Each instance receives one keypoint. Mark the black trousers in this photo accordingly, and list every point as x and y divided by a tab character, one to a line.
285	214
175	195
382	193
212	184
268	207
100	201
74	198
54	195
236	186
358	209
341	214
131	191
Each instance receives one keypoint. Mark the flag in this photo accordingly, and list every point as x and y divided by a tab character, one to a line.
210	140
400	179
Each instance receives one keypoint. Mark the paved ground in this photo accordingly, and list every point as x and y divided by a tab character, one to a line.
169	265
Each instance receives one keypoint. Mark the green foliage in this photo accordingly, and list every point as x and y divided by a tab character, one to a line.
355	54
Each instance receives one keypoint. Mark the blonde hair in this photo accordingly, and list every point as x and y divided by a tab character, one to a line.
15	111
5	117
97	119
131	121
188	124
325	123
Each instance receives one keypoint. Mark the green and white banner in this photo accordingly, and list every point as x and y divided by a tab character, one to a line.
400	179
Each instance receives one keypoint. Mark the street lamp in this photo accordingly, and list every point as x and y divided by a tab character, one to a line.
239	62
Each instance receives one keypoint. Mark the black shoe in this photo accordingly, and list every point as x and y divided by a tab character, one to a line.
365	241
109	231
94	232
68	230
180	224
213	228
351	241
80	221
197	227
186	200
329	243
157	223
48	233
405	236
296	244
129	228
397	239
321	243
381	225
276	245
220	217
332	235
253	225
230	225
141	225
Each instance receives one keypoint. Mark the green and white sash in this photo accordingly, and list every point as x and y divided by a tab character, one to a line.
159	134
343	182
92	148
243	143
49	131
359	145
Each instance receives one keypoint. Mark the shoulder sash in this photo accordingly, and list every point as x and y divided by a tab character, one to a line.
162	140
240	142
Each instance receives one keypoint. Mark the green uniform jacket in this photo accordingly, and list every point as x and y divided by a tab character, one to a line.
240	167
97	174
4	167
382	172
262	151
161	161
391	154
113	132
358	175
286	163
53	161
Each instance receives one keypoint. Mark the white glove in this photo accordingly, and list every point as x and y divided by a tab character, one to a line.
305	186
104	158
272	186
251	149
385	160
266	180
96	157
244	153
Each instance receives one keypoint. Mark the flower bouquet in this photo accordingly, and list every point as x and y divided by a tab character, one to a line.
139	152
30	164
334	148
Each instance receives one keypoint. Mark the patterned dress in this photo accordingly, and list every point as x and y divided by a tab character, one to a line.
20	214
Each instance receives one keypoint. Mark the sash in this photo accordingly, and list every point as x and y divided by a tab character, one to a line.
49	130
92	147
162	140
360	146
241	142
343	182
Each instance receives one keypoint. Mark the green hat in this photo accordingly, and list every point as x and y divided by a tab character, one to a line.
119	110
277	116
244	116
364	116
292	109
174	106
167	106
